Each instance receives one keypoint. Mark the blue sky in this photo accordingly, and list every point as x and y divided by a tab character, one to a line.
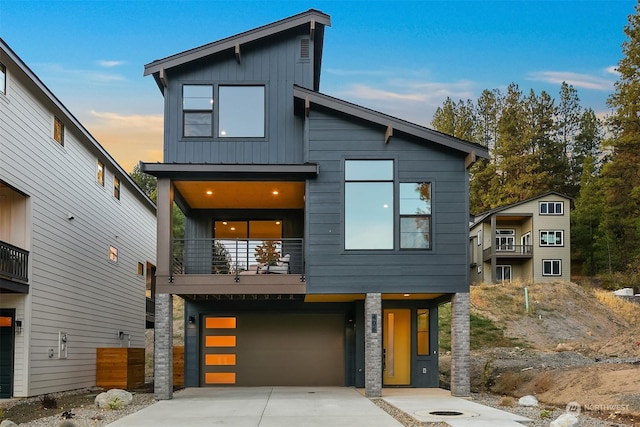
399	57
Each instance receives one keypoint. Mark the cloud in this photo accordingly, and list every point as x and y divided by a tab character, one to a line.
584	81
69	74
128	138
343	73
613	70
109	64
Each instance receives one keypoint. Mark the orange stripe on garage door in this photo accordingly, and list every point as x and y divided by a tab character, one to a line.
220	359
220	323
220	341
220	378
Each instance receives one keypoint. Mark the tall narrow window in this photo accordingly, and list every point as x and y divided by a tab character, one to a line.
113	253
100	173
197	110
423	332
58	130
116	188
415	215
368	222
241	111
3	79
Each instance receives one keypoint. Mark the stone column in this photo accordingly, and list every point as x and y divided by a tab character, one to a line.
163	348
460	345
373	345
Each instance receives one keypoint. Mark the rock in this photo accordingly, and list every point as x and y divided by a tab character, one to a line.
564	347
565	420
114	399
8	423
528	401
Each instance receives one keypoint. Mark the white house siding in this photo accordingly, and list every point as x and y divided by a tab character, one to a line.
73	285
20	351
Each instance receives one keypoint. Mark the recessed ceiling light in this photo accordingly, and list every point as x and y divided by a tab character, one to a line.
224	222
407	295
209	192
278	222
233	229
275	192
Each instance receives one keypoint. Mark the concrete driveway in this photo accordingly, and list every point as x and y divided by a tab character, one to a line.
310	407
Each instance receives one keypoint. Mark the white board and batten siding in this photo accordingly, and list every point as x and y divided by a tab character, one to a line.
74	287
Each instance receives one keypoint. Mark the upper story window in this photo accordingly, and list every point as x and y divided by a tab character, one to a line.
58	130
241	111
113	253
551	238
197	110
368	204
552	267
116	188
100	173
551	208
505	240
415	215
3	79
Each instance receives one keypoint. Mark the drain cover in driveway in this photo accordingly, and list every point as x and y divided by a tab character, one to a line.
445	414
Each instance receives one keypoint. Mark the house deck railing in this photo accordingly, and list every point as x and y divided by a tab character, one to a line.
508	251
14	262
237	256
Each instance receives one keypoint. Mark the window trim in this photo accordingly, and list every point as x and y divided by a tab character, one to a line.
57	122
502	266
3	86
561	232
551	262
116	188
546	204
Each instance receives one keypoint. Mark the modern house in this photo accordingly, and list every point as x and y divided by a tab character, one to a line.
528	241
320	236
76	242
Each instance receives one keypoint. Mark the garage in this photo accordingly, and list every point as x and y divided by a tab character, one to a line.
274	349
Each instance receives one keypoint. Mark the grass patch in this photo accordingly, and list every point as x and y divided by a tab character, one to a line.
626	309
484	332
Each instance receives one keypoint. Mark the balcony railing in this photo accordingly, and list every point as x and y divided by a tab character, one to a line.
508	250
14	262
237	256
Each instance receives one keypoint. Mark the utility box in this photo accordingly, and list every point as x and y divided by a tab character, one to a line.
120	367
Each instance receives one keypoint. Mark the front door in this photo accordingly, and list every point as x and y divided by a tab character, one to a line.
397	346
7	319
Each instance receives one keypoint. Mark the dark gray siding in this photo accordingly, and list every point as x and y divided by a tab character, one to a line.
276	65
331	269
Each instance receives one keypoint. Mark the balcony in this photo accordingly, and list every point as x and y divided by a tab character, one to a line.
508	251
14	262
235	266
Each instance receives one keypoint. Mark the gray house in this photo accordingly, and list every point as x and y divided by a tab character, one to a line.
320	236
76	243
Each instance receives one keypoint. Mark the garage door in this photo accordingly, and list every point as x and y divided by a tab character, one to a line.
274	349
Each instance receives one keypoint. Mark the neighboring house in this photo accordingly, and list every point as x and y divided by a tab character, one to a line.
362	216
528	241
76	242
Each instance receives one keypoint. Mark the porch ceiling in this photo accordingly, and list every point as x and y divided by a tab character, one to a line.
242	194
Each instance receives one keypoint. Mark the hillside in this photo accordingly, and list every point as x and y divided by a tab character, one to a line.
574	344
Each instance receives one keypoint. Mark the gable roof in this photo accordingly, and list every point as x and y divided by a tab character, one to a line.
484	215
310	17
86	138
392	123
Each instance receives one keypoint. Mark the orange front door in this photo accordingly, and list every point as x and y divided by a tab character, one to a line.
397	346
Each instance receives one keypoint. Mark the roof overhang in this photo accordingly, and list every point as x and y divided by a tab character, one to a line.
306	98
231	172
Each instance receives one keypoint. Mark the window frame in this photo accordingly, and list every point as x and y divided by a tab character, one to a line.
185	111
100	172
116	187
511	247
428	216
546	205
424	333
350	180
551	262
502	267
479	237
58	130
219	105
3	80
555	232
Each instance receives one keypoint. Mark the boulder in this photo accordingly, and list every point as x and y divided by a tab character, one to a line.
563	346
565	420
528	401
8	423
114	399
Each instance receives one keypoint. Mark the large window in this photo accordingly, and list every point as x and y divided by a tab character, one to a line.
415	215
503	273
241	111
551	238
3	79
505	240
197	110
551	267
551	208
368	204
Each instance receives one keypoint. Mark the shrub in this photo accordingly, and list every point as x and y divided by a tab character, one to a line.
48	401
507	401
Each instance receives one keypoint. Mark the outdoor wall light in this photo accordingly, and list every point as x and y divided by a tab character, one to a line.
70	216
192	320
18	326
